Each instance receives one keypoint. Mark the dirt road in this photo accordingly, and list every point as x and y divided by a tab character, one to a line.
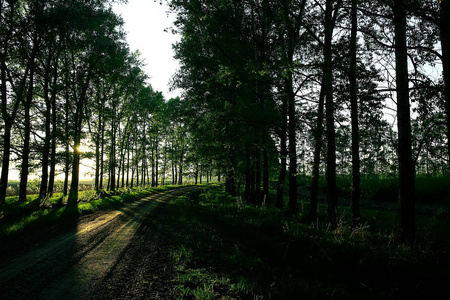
74	264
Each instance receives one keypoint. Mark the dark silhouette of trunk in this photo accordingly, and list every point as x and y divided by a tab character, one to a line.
355	194
97	153
47	137
102	152
52	175
121	159
293	207
257	195
407	223
67	153
265	191
137	163
329	105
444	28
157	162
8	119
196	173
27	132
283	155
316	164
25	153
153	165
5	161
128	162
112	158
8	109
73	192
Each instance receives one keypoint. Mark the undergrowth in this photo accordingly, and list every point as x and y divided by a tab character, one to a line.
384	187
227	249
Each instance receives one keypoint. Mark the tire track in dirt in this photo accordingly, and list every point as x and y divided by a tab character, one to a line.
75	262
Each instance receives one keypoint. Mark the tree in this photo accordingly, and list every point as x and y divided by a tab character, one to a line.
355	196
407	226
329	116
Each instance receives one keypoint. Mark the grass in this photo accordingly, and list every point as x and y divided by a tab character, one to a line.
229	250
16	217
384	187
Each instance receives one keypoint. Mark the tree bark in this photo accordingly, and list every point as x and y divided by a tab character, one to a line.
444	28
52	175
316	164
407	223
293	207
73	193
27	132
331	137
355	194
48	116
283	155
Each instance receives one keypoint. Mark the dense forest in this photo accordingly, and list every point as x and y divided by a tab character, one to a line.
331	87
272	89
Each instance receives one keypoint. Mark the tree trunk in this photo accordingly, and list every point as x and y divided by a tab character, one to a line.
355	195
293	206
67	156
51	180
156	163
407	224
316	164
283	155
445	44
102	153
257	195
26	143
112	158
331	137
73	193
97	155
180	174
5	162
46	148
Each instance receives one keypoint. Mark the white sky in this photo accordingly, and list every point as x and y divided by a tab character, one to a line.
145	21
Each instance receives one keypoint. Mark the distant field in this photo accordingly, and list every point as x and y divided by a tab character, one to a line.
34	185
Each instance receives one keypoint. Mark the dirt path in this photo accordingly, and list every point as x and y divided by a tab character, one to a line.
74	264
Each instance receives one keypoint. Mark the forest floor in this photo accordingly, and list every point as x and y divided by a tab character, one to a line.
160	248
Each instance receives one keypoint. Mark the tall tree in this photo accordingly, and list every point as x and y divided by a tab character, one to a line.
355	195
329	105
407	223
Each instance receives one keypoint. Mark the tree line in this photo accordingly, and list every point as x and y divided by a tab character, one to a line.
272	89
71	89
286	87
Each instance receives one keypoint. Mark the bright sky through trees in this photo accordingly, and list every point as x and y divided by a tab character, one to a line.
145	24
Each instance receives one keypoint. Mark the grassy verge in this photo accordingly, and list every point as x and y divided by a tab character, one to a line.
16	217
225	249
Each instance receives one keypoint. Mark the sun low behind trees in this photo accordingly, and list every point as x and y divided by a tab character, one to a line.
273	89
282	88
72	90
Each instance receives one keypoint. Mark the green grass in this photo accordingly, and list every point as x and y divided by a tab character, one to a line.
16	216
225	248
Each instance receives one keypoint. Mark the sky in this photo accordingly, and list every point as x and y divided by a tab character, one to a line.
145	22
